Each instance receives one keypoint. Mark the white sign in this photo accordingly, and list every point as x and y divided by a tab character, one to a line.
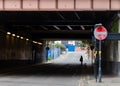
100	33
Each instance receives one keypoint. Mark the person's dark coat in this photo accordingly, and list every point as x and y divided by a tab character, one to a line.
81	59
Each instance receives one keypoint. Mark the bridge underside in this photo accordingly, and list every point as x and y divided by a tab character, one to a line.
37	22
55	24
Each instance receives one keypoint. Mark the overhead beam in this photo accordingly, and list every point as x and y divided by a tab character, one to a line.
62	31
70	28
59	5
47	22
56	27
62	34
78	17
83	28
61	16
44	27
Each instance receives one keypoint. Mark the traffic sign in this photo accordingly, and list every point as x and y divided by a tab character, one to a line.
100	32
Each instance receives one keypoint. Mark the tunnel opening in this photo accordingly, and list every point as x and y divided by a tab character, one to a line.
69	52
29	30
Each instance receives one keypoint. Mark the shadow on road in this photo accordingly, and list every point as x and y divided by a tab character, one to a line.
51	69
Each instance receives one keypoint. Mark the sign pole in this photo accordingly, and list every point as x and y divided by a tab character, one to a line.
95	58
100	33
99	66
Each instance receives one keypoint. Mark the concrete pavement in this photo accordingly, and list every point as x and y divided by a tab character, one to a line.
106	81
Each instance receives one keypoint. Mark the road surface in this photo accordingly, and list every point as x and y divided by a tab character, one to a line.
73	58
65	71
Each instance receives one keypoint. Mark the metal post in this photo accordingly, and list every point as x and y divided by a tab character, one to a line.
95	58
99	68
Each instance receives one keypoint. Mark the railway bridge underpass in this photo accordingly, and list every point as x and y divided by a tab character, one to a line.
31	26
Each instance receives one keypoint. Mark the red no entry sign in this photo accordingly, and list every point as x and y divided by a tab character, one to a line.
100	32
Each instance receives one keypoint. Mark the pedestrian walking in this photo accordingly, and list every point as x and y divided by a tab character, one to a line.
81	59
